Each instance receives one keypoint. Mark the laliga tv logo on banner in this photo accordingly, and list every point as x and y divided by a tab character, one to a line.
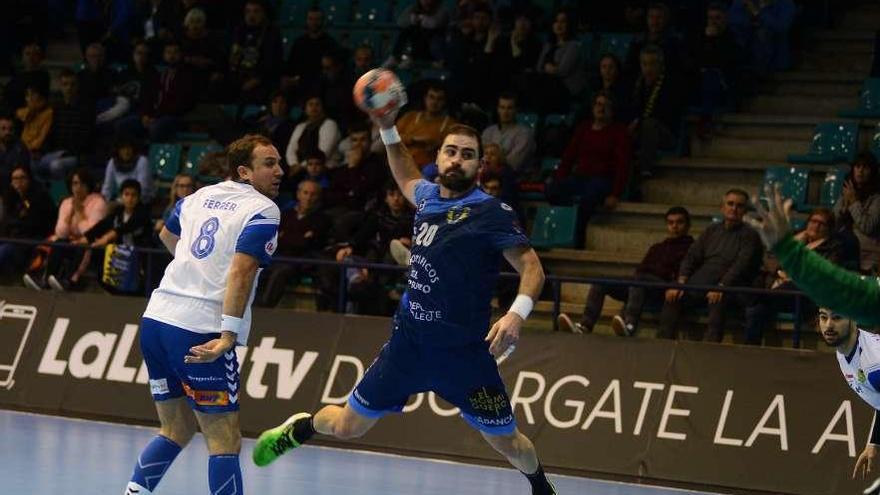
16	322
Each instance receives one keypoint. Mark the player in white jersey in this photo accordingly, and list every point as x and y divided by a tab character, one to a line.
221	237
858	353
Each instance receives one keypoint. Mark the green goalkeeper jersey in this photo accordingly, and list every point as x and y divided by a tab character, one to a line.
828	285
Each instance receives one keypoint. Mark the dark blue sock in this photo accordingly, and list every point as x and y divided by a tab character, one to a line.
224	475
152	464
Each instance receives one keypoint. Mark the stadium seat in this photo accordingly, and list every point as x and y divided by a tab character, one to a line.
251	112
554	227
833	142
558	119
794	182
616	44
293	13
296	113
192	136
869	102
373	13
875	143
288	36
58	191
165	160
529	119
194	157
549	165
336	12
832	186
589	50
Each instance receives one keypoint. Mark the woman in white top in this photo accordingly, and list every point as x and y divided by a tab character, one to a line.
316	131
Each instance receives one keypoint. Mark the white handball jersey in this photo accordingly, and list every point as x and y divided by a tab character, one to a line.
213	224
862	368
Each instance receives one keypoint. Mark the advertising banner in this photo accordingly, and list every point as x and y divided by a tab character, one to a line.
772	420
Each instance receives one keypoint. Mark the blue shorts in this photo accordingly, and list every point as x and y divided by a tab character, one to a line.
466	377
208	387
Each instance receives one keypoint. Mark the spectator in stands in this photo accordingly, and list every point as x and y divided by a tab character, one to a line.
160	116
159	22
28	213
312	167
469	57
78	213
516	56
422	131
422	25
32	74
276	122
390	223
858	208
95	79
818	236
376	145
355	184
660	264
120	21
659	33
561	68
36	118
213	168
594	165
363	60
182	186
716	59
128	221
516	140
139	81
304	232
127	164
495	166
256	52
611	81
203	51
762	27
727	254
303	66
657	107
13	152
316	132
89	23
491	185
73	130
335	86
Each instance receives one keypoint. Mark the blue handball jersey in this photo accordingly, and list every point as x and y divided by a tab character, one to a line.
457	249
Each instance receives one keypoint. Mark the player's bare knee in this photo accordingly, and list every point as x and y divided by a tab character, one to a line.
181	434
223	441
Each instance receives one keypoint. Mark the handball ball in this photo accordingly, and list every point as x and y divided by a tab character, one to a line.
379	92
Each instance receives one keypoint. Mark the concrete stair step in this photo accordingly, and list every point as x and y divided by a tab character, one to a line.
648	213
866	17
812	88
693	165
588	263
837	62
800	105
626	238
803	75
699	192
747	149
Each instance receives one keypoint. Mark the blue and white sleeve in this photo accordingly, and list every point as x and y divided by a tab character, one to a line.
173	222
259	237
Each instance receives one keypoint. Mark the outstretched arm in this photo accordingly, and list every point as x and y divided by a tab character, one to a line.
403	168
505	332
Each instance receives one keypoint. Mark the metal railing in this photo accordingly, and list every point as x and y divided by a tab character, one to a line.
555	281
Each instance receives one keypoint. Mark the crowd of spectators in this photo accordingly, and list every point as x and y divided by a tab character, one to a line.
506	67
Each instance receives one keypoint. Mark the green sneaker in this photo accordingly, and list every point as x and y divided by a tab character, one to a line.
277	441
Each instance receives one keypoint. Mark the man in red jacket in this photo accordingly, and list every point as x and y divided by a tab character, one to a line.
660	264
594	165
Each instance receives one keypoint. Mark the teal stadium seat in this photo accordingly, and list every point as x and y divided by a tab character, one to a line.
875	142
293	13
373	13
833	142
194	157
554	227
549	165
529	119
832	186
589	50
794	182
616	44
165	160
336	12
869	101
58	191
288	36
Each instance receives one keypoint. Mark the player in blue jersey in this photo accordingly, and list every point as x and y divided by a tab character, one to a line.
439	340
221	236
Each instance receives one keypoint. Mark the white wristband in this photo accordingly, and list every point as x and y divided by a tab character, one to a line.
231	324
389	136
522	306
